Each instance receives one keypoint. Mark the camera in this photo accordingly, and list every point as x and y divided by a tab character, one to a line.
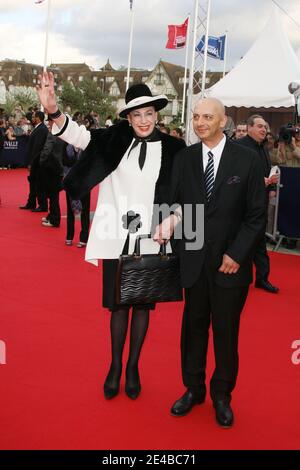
287	132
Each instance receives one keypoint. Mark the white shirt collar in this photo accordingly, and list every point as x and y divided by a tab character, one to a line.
216	151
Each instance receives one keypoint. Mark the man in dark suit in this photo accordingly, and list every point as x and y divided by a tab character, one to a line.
36	143
257	131
227	180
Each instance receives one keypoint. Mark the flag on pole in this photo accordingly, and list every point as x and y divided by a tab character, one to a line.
215	48
39	1
177	35
130	4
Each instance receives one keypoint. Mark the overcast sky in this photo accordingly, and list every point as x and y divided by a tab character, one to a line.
91	31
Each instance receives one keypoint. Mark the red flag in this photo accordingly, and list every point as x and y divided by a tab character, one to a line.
177	35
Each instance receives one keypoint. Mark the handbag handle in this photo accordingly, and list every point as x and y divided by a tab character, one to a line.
137	246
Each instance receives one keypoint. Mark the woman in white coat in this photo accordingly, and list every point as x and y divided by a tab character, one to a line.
133	161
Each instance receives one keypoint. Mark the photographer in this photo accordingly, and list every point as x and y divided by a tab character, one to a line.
289	146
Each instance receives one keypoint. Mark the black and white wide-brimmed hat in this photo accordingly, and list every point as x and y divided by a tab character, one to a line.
140	96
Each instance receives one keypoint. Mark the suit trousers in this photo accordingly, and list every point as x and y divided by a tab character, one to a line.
54	209
84	218
261	260
35	189
207	303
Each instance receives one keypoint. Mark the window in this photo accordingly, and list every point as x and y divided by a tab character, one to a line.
80	78
130	79
10	79
34	80
114	91
144	79
55	75
110	79
95	79
69	78
34	71
159	80
181	80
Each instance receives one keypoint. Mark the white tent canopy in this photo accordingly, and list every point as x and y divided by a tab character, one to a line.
262	76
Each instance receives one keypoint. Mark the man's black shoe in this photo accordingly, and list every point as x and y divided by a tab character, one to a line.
224	414
39	209
26	207
184	405
266	285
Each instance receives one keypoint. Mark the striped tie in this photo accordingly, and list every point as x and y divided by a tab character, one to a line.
209	175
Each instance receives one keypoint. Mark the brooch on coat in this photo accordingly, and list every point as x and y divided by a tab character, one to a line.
131	221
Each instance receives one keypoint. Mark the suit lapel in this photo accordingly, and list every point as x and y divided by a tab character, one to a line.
198	168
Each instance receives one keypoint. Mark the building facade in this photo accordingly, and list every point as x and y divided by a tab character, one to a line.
165	78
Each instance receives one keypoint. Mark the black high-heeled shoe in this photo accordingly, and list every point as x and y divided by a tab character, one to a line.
111	390
132	390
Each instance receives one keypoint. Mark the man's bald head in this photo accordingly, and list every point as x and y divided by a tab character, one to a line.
211	102
209	120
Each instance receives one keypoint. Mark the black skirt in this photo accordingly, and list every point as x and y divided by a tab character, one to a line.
110	267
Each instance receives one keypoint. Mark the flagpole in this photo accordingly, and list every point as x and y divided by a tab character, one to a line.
205	51
185	68
47	36
191	75
225	54
130	45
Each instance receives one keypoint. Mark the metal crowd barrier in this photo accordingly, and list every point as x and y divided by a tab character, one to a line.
284	209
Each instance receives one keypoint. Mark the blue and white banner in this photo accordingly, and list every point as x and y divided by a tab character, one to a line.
216	46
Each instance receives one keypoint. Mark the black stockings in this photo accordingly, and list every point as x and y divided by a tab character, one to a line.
138	330
118	330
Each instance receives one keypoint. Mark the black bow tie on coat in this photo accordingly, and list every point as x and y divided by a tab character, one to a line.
153	137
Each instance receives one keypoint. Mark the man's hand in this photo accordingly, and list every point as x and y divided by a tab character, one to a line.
272	180
164	231
229	266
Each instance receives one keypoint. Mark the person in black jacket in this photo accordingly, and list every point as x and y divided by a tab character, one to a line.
226	180
50	176
133	162
36	144
81	206
257	131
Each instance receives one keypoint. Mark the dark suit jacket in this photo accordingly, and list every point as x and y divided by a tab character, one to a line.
233	218
36	143
263	153
50	165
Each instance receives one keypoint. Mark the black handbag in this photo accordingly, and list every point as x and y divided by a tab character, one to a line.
149	278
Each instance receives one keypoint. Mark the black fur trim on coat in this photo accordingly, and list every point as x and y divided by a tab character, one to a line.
103	155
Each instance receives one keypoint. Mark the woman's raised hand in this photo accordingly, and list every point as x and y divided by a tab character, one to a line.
45	90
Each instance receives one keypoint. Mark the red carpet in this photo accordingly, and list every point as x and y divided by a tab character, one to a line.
57	354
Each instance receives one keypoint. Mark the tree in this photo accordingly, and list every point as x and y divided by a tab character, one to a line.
10	104
71	96
20	96
87	97
26	97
